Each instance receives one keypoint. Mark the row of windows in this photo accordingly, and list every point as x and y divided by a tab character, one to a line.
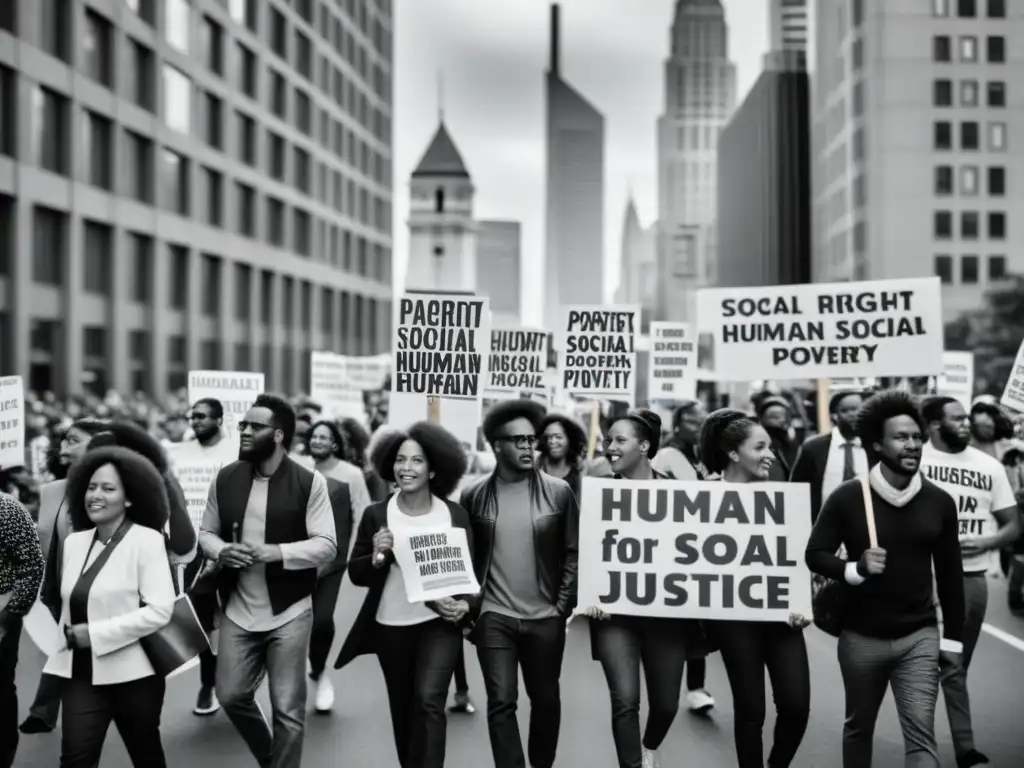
968	49
969	9
970	225
970	269
970	135
970	176
995	93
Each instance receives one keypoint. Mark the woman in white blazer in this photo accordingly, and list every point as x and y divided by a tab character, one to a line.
116	589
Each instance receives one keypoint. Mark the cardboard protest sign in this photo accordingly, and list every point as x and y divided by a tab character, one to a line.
195	477
957	379
337	382
12	422
518	363
435	564
236	390
674	549
597	352
672	372
1013	394
829	330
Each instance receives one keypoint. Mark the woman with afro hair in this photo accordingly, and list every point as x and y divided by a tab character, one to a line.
740	450
417	644
563	444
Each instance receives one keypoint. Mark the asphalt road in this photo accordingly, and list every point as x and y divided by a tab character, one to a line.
358	732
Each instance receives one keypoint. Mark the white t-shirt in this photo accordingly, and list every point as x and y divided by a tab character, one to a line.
978	484
395	610
196	466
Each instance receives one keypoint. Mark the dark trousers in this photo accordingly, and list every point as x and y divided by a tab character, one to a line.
205	605
325	598
9	692
46	705
504	645
747	648
696	671
953	673
461	681
133	707
417	662
621	643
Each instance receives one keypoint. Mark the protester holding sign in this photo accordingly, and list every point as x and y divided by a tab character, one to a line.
739	449
621	642
417	643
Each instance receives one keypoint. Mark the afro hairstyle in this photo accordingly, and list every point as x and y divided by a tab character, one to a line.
575	434
878	409
143	487
510	410
445	456
128	434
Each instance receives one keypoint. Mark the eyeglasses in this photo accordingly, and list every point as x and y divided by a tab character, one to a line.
255	426
521	441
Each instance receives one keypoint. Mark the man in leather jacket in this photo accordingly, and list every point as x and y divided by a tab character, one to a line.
526	526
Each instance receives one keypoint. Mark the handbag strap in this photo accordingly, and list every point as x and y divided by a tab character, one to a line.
869	511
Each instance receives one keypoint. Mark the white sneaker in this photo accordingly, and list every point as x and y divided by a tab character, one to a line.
699	701
324	694
650	758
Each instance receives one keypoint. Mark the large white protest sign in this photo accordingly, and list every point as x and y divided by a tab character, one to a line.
236	391
829	330
337	382
195	477
519	358
597	352
672	373
957	379
1013	394
12	422
435	564
673	549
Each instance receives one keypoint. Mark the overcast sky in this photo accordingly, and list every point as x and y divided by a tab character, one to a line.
493	55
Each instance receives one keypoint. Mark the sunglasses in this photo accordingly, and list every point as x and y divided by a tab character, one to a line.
521	441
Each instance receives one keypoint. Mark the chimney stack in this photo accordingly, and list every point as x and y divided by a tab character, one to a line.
555	33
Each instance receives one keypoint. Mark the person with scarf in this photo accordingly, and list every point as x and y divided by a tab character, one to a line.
890	636
739	449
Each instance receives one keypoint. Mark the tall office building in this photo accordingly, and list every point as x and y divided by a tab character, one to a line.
788	25
192	184
915	106
638	269
499	270
700	92
574	237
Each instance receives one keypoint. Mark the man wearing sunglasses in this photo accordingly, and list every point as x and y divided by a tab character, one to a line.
525	525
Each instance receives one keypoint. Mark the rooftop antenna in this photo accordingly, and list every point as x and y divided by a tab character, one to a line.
440	97
555	39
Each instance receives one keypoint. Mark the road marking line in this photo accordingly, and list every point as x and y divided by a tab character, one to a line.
1006	637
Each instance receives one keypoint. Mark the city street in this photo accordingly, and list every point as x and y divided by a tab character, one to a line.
358	733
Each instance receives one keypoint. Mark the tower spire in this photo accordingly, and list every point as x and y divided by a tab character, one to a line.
440	96
555	41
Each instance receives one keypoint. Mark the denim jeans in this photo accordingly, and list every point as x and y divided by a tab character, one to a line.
8	692
325	599
418	662
953	675
621	644
910	665
503	645
244	659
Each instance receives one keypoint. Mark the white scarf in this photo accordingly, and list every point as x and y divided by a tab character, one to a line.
893	496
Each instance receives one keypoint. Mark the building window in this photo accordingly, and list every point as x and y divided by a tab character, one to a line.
276	156
303	55
944	269
174	173
54	27
214	184
943	225
996	9
997	137
141	248
49	130
302	237
996	181
248	72
968	48
943	180
213	46
98	44
144	9
48	245
246	196
177	100
141	80
179	265
301	169
275	222
995	49
8	112
177	19
139	167
214	120
243	297
246	12
211	280
940	7
996	225
996	90
996	268
97	244
969	180
246	139
942	48
97	144
303	112
969	270
278	94
209	354
969	225
969	135
942	93
968	93
966	9
278	33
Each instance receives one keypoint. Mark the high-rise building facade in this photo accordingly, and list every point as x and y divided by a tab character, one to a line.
916	105
499	270
574	226
192	184
788	25
638	274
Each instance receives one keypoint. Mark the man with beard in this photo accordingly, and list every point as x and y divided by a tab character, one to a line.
988	520
829	460
526	528
890	635
270	526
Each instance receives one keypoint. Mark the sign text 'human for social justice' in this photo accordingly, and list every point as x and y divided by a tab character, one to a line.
518	362
695	550
597	352
831	330
442	345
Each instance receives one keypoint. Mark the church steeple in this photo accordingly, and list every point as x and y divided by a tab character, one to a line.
442	157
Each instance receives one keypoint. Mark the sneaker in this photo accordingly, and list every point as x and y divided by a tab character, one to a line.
324	694
35	724
650	758
206	702
699	701
463	703
972	758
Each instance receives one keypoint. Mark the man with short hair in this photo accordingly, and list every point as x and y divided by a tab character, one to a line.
526	529
270	526
988	521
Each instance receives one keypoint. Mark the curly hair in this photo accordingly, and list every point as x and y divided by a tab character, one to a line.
128	434
683	410
934	408
143	487
341	452
510	410
575	435
283	415
445	455
878	409
724	431
1003	425
357	440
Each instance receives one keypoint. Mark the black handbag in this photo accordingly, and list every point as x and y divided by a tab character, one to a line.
178	642
830	597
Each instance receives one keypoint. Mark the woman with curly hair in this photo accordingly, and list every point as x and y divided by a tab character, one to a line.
740	450
563	444
115	590
417	644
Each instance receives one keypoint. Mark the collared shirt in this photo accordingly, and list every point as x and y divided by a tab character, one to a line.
836	463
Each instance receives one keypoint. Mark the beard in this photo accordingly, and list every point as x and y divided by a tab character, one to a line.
894	465
321	454
258	453
954	439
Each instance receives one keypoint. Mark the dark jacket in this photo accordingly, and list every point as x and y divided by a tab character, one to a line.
341	505
555	537
363	574
809	467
